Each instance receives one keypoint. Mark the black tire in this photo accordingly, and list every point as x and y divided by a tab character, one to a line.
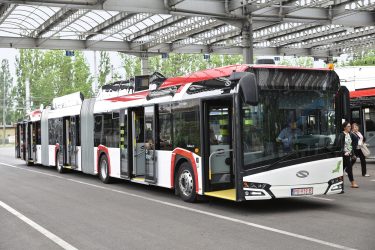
60	169
103	170
185	183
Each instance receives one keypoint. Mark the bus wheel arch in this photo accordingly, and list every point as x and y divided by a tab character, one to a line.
104	168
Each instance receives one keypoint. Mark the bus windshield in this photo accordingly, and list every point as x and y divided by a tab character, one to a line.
298	123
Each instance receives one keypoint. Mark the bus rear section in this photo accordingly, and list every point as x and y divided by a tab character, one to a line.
362	104
288	144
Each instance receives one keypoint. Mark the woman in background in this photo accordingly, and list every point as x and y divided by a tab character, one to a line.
358	141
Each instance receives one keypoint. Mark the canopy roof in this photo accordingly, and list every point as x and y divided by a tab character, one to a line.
319	28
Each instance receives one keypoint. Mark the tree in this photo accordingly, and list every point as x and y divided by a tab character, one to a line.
51	74
365	59
306	62
6	89
131	64
104	68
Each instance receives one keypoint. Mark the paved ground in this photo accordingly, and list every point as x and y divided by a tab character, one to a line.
77	211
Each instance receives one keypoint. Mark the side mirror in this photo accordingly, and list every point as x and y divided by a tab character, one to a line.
249	88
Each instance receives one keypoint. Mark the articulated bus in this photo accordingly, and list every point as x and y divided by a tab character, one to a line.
362	104
241	132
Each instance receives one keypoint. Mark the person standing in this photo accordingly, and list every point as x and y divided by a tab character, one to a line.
358	141
346	144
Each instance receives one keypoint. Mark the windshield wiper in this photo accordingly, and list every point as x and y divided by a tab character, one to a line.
282	159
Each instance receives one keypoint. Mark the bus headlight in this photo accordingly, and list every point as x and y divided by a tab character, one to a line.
254	185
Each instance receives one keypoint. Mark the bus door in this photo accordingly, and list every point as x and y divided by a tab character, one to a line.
23	141
65	142
150	139
124	143
18	140
219	151
30	141
138	145
72	141
36	127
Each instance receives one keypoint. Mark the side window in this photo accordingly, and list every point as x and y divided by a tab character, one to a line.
51	132
38	133
370	119
165	127
115	143
111	132
186	131
98	120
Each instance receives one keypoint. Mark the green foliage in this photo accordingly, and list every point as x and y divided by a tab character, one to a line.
104	68
306	62
176	64
131	64
183	64
50	73
6	90
366	59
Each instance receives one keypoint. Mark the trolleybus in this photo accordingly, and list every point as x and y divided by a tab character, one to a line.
241	132
362	103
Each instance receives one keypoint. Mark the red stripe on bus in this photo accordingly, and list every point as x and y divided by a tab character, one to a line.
103	149
131	97
204	75
362	93
189	155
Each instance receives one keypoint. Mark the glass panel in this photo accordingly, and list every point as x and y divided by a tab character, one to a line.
165	125
98	130
186	125
295	123
124	141
149	141
220	138
369	114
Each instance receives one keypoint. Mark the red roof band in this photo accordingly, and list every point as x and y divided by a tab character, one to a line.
362	93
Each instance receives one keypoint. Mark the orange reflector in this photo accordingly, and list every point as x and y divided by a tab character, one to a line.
331	66
196	150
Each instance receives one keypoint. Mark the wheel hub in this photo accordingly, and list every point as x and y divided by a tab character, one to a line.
186	183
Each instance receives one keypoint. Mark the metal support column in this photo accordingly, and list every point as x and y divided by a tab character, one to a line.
144	64
247	42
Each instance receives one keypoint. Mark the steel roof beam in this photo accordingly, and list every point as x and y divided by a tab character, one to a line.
155	27
126	22
5	10
52	22
106	25
62	24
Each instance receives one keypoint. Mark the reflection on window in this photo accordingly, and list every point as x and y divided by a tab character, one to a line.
370	119
186	125
286	122
165	127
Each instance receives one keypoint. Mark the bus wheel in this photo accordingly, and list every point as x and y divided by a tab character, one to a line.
186	184
103	170
59	167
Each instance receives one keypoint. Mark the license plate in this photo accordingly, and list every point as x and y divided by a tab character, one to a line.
302	191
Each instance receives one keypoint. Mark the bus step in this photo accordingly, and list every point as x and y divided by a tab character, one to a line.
140	180
228	194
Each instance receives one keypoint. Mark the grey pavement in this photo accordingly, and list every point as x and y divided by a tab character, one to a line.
87	214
